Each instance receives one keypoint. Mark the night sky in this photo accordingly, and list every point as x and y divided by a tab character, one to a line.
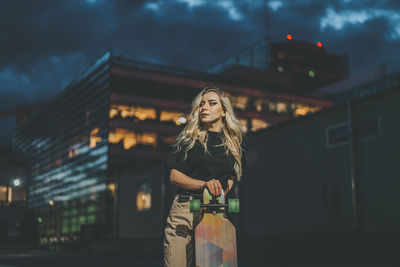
44	44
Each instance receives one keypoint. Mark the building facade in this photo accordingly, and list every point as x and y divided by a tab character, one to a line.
332	172
116	119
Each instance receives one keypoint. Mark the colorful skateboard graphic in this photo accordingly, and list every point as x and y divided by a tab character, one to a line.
215	236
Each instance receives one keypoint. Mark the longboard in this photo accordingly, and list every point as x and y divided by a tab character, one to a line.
215	235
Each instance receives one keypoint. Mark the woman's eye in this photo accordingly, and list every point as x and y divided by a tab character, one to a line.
212	104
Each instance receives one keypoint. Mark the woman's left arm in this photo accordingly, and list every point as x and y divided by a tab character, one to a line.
230	181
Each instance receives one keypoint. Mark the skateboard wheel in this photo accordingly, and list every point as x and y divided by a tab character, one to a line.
233	205
195	205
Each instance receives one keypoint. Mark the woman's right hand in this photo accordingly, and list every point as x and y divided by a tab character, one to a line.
214	187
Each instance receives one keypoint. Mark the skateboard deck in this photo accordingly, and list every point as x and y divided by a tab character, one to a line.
215	236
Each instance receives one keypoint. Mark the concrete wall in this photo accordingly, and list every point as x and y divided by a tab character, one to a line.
141	224
377	165
296	184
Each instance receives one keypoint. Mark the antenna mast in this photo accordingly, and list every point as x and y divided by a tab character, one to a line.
267	21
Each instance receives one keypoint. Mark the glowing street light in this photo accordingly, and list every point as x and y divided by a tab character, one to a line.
181	120
17	182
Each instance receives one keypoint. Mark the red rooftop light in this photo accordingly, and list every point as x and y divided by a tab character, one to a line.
289	37
319	44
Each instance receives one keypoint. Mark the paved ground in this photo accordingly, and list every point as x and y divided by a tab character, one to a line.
377	250
78	258
73	259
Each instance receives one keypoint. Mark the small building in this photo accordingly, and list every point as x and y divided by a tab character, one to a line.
335	171
308	65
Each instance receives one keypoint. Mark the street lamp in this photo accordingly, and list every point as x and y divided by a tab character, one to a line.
17	182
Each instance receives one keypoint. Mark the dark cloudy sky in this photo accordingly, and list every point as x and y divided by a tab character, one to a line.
44	44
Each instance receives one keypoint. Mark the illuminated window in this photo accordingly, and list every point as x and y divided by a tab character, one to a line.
257	124
118	135
176	117
3	193
74	149
82	220
94	137
113	112
65	226
111	188
301	110
141	113
314	109
4	197
262	104
91	218
243	122
240	102
272	106
74	224
281	107
130	138
143	196
148	139
145	113
126	111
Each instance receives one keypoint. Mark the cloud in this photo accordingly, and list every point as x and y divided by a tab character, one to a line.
193	3
275	5
338	20
45	44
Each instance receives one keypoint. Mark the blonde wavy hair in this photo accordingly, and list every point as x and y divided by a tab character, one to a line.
232	134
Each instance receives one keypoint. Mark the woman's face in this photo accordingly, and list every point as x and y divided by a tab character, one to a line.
211	111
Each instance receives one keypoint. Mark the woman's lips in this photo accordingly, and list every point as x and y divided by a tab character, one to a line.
204	115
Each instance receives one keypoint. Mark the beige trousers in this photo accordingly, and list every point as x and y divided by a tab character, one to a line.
179	235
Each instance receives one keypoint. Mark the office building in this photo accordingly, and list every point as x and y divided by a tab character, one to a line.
119	117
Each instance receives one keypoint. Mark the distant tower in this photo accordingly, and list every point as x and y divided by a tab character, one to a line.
267	21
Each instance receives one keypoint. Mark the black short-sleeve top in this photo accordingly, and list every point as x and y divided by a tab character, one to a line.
205	166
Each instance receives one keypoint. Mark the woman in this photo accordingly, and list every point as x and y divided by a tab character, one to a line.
208	154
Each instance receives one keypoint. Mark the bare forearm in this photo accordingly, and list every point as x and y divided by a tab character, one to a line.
185	182
230	184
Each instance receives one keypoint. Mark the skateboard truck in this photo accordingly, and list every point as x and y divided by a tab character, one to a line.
215	205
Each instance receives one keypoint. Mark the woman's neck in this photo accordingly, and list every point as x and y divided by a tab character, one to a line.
214	128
